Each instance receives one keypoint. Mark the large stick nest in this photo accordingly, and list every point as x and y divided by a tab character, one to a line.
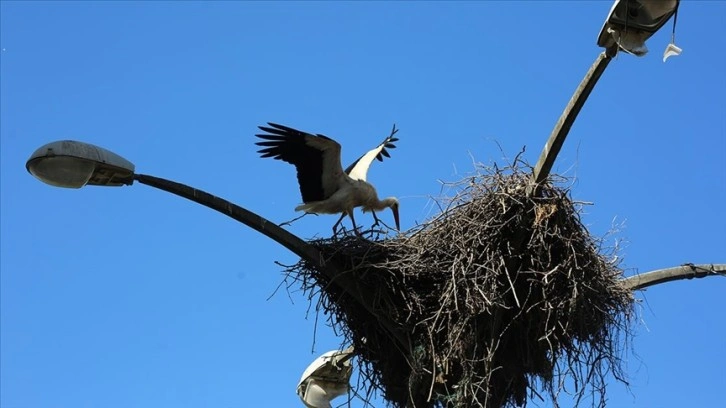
500	298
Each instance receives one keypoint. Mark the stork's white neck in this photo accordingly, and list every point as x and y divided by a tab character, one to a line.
379	205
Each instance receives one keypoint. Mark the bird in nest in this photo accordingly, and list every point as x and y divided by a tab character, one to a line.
325	187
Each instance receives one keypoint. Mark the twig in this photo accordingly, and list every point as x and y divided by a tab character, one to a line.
286	223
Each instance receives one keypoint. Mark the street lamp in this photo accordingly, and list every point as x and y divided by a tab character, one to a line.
73	164
628	25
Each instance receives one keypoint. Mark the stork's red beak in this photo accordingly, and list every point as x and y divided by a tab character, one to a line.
394	210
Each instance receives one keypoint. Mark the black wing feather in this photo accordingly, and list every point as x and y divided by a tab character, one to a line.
289	145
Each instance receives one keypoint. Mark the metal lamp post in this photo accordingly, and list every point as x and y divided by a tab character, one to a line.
628	25
73	164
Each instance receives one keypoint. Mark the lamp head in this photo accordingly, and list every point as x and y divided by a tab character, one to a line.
326	378
73	164
631	22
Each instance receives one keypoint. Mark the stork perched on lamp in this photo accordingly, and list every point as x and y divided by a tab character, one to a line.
325	187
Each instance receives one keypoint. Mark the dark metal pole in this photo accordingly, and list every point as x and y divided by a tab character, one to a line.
685	271
295	244
562	128
250	219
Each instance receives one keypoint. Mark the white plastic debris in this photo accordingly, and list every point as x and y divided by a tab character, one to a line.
671	50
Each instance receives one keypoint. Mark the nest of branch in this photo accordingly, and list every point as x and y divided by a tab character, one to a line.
500	298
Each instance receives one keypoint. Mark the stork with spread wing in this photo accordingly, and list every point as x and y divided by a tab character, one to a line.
325	187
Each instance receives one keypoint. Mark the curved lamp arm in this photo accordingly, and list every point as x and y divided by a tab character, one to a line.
564	123
250	219
685	271
290	241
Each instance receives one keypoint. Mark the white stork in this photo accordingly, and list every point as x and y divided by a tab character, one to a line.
325	187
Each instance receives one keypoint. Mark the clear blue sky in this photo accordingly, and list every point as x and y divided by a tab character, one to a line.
132	297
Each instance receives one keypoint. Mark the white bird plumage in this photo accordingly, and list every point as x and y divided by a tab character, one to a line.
325	187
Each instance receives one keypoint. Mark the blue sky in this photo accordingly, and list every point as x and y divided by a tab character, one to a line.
132	297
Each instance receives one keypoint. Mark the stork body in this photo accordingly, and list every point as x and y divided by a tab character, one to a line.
325	187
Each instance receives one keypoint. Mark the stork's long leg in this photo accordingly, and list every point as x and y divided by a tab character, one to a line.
375	217
335	227
355	228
